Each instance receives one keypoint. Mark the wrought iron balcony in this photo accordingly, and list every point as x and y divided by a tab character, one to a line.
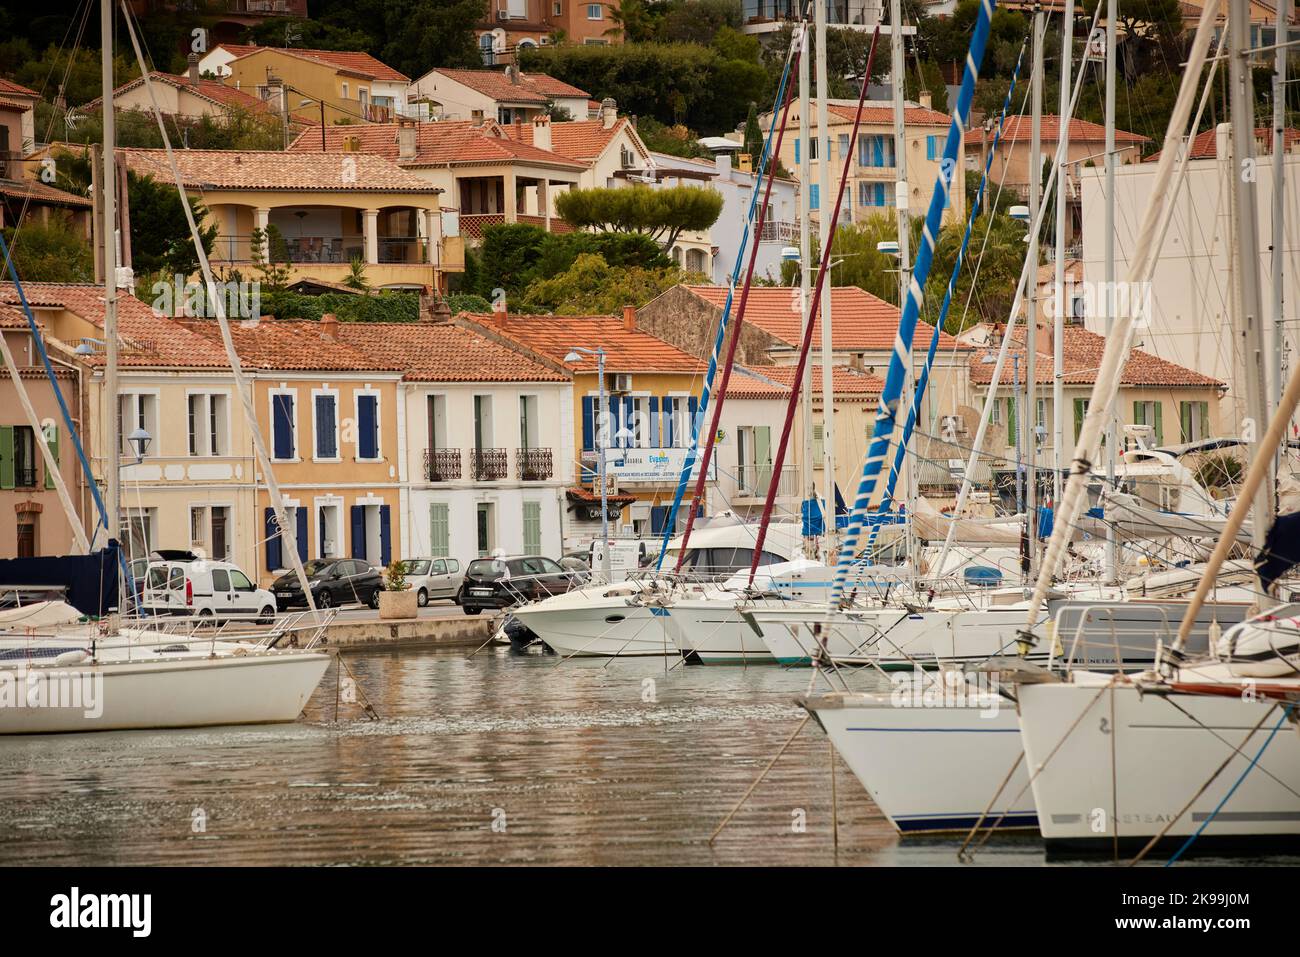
534	464
488	465
442	465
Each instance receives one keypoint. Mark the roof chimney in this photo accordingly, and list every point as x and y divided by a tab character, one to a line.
329	327
723	162
193	60
407	137
629	318
542	132
926	100
608	112
512	73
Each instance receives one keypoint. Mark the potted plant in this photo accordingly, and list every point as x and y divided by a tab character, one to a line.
397	600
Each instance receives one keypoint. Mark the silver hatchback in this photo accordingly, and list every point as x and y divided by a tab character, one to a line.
432	578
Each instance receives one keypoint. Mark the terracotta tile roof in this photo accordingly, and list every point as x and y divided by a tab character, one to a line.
625	350
580	139
1206	146
214	91
531	88
1018	128
430	352
11	317
437	144
147	340
41	194
275	170
15	104
293	346
877	115
848	383
10	88
350	61
755	384
860	321
1082	351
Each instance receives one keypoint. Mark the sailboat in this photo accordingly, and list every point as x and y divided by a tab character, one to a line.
59	673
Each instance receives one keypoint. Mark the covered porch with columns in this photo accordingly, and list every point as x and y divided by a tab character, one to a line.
490	194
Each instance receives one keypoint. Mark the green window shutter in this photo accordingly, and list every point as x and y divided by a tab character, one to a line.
1080	410
6	456
439	532
1011	420
763	455
1185	421
1160	424
52	439
532	527
1205	418
1139	413
819	444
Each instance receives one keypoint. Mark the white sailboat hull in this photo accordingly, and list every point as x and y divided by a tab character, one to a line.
173	692
931	769
1133	761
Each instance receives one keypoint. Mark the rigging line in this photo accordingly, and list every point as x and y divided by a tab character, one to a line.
813	309
768	162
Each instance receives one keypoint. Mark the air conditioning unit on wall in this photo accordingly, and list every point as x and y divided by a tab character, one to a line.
622	382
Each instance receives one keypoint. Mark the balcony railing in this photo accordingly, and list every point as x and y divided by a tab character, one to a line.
488	465
779	232
534	465
442	465
24	476
473	224
324	249
752	481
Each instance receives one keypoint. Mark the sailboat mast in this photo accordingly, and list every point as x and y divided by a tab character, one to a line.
1249	318
823	232
806	265
1112	438
108	223
1274	338
1023	423
902	192
1058	276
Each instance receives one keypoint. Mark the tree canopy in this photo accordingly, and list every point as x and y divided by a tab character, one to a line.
661	213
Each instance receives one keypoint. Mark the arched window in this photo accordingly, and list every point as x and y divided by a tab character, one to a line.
677	255
695	260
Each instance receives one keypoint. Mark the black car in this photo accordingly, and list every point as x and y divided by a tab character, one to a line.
334	581
506	582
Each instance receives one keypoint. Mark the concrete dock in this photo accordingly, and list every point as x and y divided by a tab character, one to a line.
372	633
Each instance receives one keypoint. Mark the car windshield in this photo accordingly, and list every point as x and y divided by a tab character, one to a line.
486	568
417	568
316	566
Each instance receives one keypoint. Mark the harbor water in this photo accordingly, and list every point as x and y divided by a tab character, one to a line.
502	758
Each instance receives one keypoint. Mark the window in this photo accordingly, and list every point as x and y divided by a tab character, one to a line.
220	541
844	145
556	8
874	194
239	581
1194	420
528	422
136	410
489	58
23	457
1080	410
1150	413
367	427
1040	413
482	421
437	412
329	538
345	90
284	440
933	148
485	527
208	420
325	425
137	531
595	11
532	527
439	529
875	150
198	526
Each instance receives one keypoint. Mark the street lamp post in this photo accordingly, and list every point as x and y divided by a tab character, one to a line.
601	425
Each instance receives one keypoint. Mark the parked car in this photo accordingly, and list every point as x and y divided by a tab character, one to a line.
506	582
333	581
205	589
432	578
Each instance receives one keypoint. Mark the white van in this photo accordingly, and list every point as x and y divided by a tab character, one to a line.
205	589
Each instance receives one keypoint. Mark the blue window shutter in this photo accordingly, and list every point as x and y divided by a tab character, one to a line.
282	425
654	421
877	151
880	194
302	534
628	422
669	425
385	536
814	196
367	427
796	151
658	517
274	557
588	423
358	531
693	405
326	446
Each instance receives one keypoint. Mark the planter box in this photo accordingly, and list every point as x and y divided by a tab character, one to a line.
398	604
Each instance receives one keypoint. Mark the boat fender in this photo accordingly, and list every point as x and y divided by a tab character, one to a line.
74	657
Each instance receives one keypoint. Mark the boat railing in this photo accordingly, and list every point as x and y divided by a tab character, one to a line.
1083	642
189	630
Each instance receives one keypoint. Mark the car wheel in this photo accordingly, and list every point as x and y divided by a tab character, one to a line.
266	615
422	599
374	599
325	600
